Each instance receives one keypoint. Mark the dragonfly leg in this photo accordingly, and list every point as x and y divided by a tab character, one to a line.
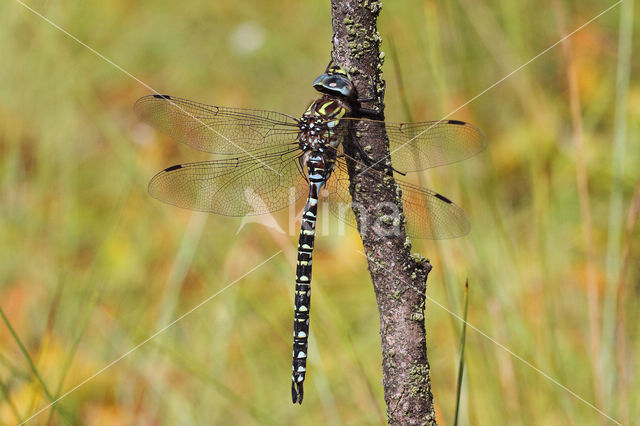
376	112
368	161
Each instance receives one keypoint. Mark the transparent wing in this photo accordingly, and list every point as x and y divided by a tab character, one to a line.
429	215
245	185
419	146
216	129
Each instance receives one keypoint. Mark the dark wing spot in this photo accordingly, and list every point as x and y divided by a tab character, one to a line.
443	198
172	168
162	97
458	122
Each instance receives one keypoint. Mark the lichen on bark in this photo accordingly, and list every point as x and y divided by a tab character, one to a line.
398	276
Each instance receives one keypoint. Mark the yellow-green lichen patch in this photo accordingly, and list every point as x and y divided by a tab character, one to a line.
418	379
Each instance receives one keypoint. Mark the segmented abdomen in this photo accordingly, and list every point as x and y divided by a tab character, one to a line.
318	172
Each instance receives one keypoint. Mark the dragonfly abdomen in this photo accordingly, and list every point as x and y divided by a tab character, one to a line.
319	169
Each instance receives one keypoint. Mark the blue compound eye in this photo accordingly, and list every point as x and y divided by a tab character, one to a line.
335	84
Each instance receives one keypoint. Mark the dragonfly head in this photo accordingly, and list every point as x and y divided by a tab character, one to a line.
335	81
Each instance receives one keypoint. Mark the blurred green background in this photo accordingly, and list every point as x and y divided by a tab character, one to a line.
91	265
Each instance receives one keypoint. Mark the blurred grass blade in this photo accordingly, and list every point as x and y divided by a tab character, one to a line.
403	94
620	334
5	392
584	200
365	378
619	150
463	340
95	290
34	369
446	273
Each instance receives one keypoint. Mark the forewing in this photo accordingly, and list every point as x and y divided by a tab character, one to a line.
419	146
217	129
245	185
428	214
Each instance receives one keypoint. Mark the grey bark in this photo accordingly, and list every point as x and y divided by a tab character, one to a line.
398	276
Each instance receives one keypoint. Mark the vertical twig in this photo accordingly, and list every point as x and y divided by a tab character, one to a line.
395	272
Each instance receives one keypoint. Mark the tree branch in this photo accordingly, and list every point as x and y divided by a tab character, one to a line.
399	278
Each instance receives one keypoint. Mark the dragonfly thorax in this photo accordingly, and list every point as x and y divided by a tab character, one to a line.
319	123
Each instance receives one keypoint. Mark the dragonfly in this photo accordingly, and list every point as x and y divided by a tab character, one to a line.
269	160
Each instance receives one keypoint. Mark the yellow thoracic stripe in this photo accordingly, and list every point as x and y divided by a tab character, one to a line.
337	115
